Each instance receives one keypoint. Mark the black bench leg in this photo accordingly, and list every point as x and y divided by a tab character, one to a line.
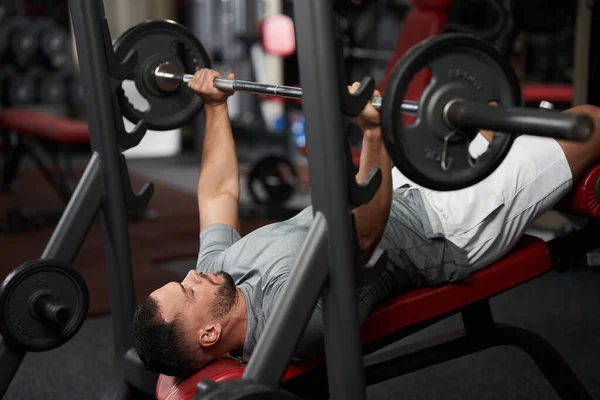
57	179
554	367
478	321
14	155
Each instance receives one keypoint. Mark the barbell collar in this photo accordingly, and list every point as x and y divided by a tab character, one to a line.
464	115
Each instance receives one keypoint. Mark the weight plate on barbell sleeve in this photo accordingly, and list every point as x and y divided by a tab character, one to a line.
429	151
272	180
65	296
157	42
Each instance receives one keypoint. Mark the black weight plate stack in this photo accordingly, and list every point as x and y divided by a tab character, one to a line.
272	180
43	303
157	42
462	66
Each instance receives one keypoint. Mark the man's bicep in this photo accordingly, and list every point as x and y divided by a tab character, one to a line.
221	209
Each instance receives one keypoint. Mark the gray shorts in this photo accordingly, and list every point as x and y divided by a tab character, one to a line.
417	257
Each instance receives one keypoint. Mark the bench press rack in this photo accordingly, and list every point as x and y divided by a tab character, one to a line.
329	264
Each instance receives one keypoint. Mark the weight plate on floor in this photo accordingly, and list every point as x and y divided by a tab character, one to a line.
21	321
157	42
429	152
272	180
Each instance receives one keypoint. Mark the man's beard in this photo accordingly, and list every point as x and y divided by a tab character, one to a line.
226	296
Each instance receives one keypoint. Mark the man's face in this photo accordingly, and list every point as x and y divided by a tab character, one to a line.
200	300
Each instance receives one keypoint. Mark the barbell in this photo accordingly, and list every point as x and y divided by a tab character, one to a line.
463	75
167	78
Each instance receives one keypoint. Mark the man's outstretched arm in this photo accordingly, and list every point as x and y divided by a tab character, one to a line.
371	218
219	181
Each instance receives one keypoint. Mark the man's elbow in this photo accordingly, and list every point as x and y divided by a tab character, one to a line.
212	189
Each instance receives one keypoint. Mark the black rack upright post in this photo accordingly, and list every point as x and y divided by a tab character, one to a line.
319	74
87	17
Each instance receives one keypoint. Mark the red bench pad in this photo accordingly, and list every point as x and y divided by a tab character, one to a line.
528	259
581	199
44	126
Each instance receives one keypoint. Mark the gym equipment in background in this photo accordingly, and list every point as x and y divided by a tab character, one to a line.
35	52
272	180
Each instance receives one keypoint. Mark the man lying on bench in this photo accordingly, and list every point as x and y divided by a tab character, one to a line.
430	237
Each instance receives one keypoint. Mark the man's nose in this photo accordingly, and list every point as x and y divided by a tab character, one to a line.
189	278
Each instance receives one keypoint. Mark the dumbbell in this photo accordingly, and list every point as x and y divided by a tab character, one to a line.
53	43
22	88
23	43
9	29
53	87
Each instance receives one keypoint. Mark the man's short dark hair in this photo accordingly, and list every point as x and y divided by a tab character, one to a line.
160	345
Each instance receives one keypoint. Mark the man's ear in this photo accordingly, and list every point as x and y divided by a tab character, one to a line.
209	334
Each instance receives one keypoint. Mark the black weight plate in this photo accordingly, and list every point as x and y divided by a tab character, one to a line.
462	66
18	323
156	42
267	184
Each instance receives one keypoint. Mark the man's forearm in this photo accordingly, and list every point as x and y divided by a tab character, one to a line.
372	217
219	171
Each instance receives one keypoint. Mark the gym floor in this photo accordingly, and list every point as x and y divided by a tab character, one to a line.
563	308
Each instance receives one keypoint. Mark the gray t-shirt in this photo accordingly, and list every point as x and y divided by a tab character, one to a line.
261	261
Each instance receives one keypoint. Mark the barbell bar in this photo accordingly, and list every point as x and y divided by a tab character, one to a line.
168	79
457	113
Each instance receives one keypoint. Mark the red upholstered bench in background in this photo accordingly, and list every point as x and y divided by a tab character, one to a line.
43	138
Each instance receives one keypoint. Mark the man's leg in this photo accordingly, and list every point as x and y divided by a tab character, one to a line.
487	219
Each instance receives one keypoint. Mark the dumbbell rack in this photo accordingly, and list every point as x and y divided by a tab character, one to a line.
329	264
35	68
